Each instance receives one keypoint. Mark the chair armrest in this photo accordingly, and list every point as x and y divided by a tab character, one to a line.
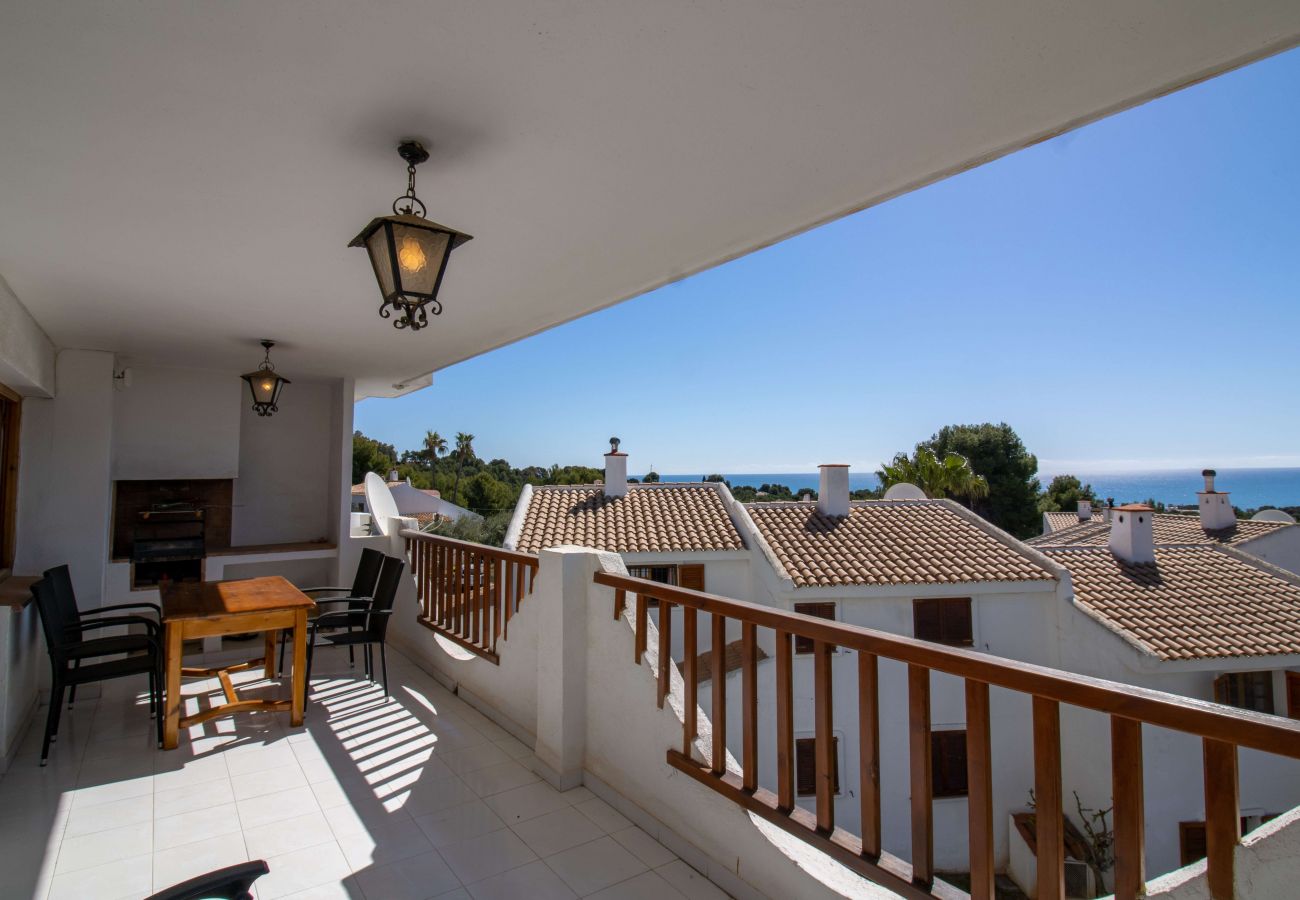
341	617
154	606
82	651
312	590
117	620
324	600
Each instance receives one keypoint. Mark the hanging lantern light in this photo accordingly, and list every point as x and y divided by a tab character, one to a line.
409	253
265	384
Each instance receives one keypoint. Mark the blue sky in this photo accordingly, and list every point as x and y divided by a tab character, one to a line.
1126	296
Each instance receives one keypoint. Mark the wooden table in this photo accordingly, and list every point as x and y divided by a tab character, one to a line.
213	608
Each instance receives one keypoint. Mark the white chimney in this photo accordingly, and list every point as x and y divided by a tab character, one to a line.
615	471
833	490
1214	506
1131	536
1085	510
392	475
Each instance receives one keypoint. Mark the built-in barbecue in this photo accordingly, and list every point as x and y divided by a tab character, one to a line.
166	528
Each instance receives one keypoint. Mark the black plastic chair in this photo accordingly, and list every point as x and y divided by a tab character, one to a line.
363	588
367	625
230	883
60	580
69	649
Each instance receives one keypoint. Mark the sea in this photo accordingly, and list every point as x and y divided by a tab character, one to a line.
1250	488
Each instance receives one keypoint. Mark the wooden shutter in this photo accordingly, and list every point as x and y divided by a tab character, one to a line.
1293	694
691	576
1191	842
948	762
926	619
821	611
955	622
805	752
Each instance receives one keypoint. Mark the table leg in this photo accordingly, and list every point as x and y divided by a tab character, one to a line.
270	652
172	702
299	684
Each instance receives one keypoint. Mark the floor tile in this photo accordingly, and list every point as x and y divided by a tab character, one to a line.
458	823
689	882
595	865
646	886
287	835
557	831
514	748
176	864
383	844
196	825
527	802
101	847
644	847
431	796
500	777
114	814
302	869
489	854
276	807
472	758
121	878
534	881
415	878
268	781
604	815
175	801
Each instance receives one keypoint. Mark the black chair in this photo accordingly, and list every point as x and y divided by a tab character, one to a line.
363	588
230	883
367	625
69	648
60	580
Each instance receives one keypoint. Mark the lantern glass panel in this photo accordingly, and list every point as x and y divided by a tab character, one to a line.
265	385
377	247
420	253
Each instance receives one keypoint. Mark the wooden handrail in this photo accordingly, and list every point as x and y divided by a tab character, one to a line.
1222	729
468	592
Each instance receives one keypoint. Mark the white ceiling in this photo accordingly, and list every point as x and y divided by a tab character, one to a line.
178	179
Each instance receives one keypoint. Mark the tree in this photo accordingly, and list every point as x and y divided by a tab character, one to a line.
487	495
946	476
718	479
464	448
996	453
1064	494
370	455
651	477
434	445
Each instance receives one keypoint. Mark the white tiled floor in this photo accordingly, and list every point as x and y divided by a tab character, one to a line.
417	797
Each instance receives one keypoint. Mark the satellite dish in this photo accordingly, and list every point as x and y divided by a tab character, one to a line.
905	491
1273	515
383	508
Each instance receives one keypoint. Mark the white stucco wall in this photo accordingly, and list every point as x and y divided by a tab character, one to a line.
21	670
281	493
1267	866
27	356
177	423
1281	548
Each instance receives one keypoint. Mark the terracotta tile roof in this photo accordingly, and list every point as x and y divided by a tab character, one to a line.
649	519
1192	603
731	659
1058	520
887	542
1167	528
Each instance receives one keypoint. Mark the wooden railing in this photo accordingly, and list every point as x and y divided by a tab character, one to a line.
468	592
1222	730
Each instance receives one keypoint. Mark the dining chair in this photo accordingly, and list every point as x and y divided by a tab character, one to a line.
367	621
363	588
231	883
69	648
60	581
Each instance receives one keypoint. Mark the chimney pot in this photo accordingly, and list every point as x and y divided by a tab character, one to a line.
1085	510
1214	507
833	489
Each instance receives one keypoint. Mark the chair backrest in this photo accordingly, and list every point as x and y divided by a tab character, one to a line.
60	581
363	584
231	883
52	620
390	577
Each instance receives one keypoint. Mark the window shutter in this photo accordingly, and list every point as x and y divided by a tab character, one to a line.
948	763
955	622
691	576
926	619
1191	842
1293	695
805	767
1221	689
821	611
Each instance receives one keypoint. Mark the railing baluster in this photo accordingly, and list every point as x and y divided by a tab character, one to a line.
1048	810
869	752
824	735
620	603
1222	817
979	780
507	596
784	722
1126	795
749	702
519	585
918	702
639	639
718	669
665	649
690	675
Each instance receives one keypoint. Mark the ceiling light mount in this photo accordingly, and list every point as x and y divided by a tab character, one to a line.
408	251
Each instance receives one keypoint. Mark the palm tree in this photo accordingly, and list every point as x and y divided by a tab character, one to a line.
434	444
464	448
951	476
